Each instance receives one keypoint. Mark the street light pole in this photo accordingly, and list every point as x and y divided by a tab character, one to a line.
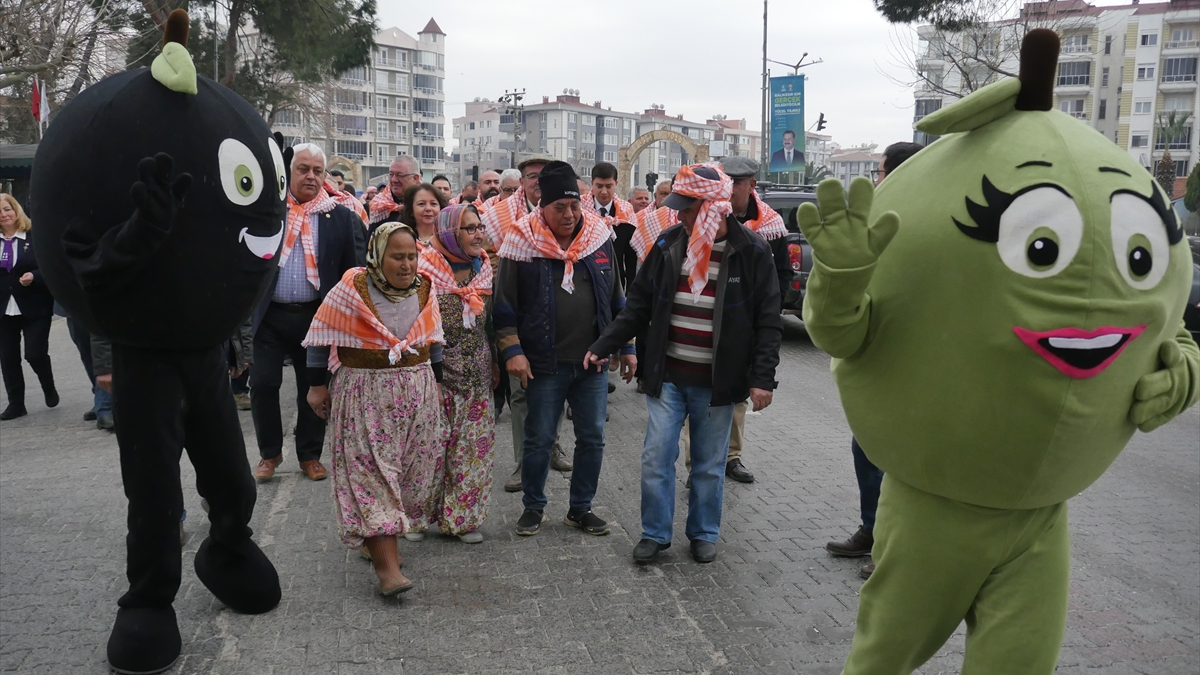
762	167
512	105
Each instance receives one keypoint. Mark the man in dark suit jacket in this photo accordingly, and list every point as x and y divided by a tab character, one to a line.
282	318
788	158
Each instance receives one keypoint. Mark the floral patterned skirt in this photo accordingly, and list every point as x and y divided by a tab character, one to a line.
386	440
458	503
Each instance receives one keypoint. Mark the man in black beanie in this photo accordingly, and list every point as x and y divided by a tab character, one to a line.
543	337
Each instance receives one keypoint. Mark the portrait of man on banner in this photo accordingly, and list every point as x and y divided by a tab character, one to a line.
787	124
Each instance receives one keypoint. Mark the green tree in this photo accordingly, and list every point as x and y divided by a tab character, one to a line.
950	15
1170	126
1191	196
301	44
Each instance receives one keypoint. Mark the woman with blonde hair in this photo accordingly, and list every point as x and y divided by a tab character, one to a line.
385	428
26	307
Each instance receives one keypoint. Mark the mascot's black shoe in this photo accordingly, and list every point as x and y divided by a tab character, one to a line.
242	577
144	640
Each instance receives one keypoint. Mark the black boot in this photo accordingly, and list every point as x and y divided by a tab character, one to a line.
13	411
45	376
242	577
144	640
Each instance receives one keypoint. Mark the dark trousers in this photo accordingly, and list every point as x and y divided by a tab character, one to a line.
279	336
37	352
626	256
870	477
83	344
165	401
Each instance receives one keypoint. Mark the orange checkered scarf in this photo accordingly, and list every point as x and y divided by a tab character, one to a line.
433	264
478	203
648	224
531	238
502	217
383	204
347	200
491	201
715	194
769	223
624	211
346	320
299	224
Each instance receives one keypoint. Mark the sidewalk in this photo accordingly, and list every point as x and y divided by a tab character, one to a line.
564	602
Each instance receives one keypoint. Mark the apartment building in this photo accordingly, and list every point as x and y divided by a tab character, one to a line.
371	114
566	129
478	135
846	165
1121	69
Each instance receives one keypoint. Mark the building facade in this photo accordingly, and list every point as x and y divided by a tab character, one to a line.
846	165
371	114
1123	69
478	148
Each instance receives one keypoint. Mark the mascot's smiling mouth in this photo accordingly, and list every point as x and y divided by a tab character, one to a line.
1079	353
263	247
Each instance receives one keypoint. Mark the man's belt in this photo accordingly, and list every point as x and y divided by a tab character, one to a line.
297	307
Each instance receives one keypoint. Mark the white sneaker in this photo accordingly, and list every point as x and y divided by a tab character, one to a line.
414	536
471	537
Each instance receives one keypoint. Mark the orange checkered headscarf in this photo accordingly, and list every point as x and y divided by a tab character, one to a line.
715	194
769	223
501	217
299	224
648	224
623	211
531	238
346	320
347	200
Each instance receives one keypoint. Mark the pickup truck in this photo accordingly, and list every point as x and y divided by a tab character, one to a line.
786	200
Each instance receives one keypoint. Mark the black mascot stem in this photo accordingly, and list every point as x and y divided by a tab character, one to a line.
158	197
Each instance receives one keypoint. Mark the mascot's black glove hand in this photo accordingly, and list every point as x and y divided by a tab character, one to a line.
157	198
288	153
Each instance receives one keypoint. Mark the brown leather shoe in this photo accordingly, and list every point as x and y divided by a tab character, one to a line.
313	469
866	571
265	470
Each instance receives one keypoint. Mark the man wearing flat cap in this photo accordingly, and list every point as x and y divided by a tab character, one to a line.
753	212
558	288
711	344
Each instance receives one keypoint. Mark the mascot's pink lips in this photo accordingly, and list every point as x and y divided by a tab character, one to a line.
263	247
1079	353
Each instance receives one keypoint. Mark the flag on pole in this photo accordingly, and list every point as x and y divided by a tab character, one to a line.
41	103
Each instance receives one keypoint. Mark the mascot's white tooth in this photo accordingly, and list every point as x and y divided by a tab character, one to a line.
1100	342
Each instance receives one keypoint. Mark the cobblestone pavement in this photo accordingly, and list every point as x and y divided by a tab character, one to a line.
564	602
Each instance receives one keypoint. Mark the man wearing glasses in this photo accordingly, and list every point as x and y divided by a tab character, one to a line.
402	174
510	182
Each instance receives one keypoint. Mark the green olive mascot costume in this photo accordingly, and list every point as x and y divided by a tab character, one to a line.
159	202
1002	319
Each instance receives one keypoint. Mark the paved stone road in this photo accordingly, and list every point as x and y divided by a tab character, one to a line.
563	602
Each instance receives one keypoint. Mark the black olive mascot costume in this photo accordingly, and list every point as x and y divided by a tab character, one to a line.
159	199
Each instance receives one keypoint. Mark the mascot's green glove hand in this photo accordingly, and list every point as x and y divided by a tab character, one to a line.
1165	393
156	197
839	233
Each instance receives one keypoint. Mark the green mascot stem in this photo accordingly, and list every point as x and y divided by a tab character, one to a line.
1004	312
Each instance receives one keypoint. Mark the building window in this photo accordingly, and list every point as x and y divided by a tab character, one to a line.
572	118
1182	37
1139	140
1149	39
1141	107
589	120
1181	168
610	156
610	139
926	106
383	152
1178	103
589	137
610	123
1075	43
1145	72
471	125
1180	141
351	149
1103	108
1074	73
1104	77
1108	44
1179	70
1073	107
489	124
287	118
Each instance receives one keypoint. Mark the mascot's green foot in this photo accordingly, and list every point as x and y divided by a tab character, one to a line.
144	640
241	577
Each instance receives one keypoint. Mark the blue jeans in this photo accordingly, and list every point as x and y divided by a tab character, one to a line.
710	444
870	477
587	392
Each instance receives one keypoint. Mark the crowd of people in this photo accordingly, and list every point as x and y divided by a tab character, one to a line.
411	316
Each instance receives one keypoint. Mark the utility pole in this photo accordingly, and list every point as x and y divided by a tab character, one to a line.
513	106
762	167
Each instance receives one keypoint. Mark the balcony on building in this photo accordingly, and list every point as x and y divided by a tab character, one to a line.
392	87
391	136
1178	74
382	61
392	113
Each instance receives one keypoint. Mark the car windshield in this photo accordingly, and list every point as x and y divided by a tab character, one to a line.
786	204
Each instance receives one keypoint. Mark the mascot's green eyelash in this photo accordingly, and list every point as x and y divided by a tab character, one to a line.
996	202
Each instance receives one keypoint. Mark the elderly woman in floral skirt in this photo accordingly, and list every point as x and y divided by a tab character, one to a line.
462	277
385	430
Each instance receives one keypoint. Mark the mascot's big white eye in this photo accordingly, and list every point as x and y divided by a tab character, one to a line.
241	176
277	159
1040	233
1139	241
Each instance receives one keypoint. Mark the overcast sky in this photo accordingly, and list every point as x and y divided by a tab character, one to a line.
696	57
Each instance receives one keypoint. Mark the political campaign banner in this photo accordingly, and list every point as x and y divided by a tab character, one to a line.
787	124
